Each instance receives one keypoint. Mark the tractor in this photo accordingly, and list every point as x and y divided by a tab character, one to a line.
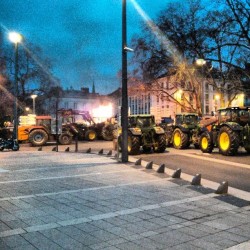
230	132
184	131
81	123
143	132
43	129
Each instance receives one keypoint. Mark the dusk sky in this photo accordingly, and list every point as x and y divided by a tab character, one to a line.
82	37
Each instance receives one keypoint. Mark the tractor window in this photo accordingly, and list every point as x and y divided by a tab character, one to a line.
45	123
178	119
132	122
244	116
189	119
235	116
224	116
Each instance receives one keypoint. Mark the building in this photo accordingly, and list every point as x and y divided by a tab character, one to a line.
164	99
99	106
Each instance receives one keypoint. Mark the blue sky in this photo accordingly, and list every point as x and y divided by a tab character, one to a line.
82	37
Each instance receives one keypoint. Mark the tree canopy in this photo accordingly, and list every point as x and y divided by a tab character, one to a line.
218	33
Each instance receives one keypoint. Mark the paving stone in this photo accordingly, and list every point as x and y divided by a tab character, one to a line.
61	239
171	238
40	241
201	243
15	241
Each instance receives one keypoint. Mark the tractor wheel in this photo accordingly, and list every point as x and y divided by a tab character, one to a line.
133	145
38	137
65	139
180	139
91	135
160	145
228	141
206	144
107	134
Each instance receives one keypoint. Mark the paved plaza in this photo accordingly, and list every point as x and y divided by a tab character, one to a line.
68	200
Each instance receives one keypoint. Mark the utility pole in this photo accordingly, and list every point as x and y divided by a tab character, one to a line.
124	108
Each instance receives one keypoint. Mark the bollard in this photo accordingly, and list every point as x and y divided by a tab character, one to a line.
100	152
161	169
196	180
40	149
149	165
54	149
138	162
223	188
177	173
88	150
67	149
109	152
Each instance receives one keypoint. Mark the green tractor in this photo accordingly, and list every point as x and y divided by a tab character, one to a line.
143	132
230	132
184	131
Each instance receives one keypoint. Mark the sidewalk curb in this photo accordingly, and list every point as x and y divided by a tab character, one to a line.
206	183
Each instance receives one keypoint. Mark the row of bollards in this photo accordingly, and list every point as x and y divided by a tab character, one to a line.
196	181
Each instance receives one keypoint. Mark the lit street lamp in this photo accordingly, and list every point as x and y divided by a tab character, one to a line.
27	109
34	103
15	38
201	63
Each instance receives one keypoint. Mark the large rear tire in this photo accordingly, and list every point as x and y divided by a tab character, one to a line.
133	145
180	139
206	144
160	145
38	137
228	141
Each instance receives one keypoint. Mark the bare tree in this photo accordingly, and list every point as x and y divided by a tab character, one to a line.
196	32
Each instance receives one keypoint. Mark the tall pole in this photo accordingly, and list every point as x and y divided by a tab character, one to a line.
34	103
124	108
34	106
15	134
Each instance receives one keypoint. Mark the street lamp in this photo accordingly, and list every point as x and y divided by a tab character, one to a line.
27	109
34	103
15	38
201	62
124	108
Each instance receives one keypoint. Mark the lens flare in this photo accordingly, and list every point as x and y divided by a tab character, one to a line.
167	45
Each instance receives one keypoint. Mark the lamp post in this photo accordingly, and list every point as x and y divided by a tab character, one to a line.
15	38
34	103
201	63
124	108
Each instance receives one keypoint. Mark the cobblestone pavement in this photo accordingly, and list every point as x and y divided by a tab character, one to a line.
68	200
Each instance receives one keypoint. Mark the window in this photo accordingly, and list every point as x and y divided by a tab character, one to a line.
66	105
75	105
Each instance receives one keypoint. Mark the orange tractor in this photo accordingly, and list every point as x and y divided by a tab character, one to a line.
42	129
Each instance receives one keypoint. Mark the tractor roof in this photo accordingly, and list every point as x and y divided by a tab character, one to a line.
144	115
185	114
235	108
